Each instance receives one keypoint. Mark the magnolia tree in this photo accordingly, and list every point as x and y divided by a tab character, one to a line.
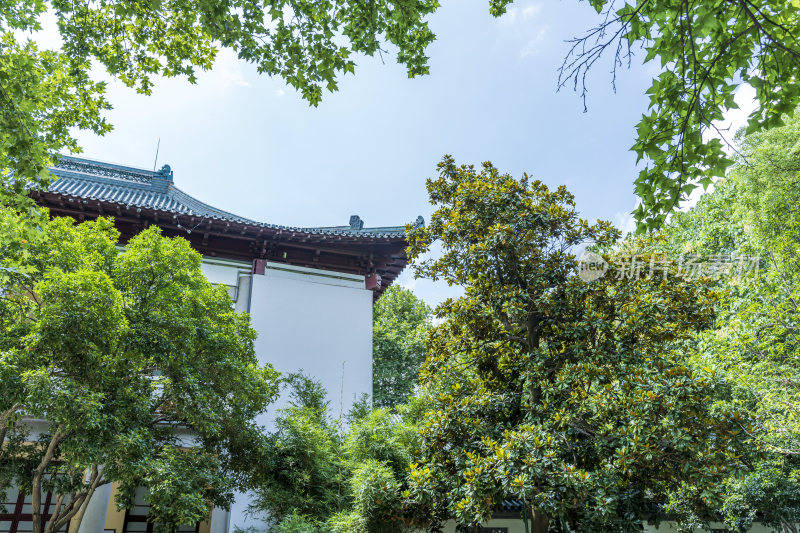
569	396
128	368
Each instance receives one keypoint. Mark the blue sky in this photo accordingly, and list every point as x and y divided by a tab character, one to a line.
249	144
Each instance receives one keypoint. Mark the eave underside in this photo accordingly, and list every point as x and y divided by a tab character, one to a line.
360	255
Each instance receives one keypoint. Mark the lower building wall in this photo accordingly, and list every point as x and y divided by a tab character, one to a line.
508	525
102	515
95	518
670	527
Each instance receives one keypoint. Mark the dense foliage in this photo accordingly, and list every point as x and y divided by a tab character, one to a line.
400	323
755	345
335	476
573	397
123	367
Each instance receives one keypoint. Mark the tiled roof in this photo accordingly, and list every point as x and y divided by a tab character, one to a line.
128	186
511	506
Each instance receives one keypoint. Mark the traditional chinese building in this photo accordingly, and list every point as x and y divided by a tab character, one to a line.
309	291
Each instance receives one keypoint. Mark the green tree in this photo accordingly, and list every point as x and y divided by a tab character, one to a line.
300	475
322	475
400	323
754	345
123	367
571	396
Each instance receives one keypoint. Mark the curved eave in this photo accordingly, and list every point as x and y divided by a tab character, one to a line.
364	252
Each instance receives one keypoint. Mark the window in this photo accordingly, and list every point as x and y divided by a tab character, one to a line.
16	512
136	518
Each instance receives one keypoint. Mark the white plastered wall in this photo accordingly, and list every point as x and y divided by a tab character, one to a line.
306	319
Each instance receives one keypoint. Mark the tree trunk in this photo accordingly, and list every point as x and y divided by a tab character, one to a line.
534	392
525	517
4	422
78	504
540	522
94	481
36	485
787	526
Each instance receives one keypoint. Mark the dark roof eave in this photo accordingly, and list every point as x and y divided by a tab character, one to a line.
364	236
389	248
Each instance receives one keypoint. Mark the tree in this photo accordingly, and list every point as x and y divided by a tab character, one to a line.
128	368
400	323
754	343
300	473
705	50
320	475
570	396
43	93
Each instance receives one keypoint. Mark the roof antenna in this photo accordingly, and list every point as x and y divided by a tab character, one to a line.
157	147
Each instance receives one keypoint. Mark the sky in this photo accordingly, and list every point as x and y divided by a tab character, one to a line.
249	144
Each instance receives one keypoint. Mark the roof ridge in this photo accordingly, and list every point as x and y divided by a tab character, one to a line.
97	180
101	169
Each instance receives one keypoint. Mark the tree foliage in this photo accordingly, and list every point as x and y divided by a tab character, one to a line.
128	368
705	51
400	323
319	475
754	345
573	397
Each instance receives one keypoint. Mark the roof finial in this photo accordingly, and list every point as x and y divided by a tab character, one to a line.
166	171
356	223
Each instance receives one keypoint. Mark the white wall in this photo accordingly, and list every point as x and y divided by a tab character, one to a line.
317	321
94	521
314	320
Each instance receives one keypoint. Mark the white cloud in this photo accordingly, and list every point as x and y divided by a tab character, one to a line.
226	73
280	92
531	11
521	27
407	280
745	98
533	46
734	119
48	37
625	222
515	15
